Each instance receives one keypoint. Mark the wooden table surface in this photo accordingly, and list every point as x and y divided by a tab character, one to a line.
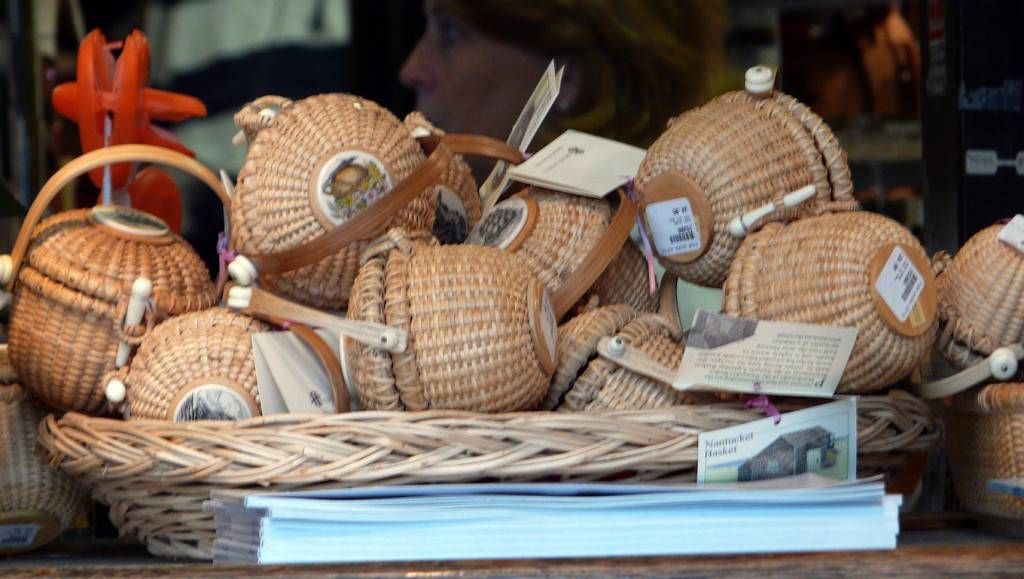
933	547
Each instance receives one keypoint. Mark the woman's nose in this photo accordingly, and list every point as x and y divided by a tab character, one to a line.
417	72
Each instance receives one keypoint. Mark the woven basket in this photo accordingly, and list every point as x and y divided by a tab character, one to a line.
984	443
156	475
197	366
40	501
480	325
571	243
726	159
981	299
71	293
823	271
299	212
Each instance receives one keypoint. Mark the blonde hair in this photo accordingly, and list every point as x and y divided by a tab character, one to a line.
640	62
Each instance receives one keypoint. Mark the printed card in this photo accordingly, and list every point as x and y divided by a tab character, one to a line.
740	355
290	377
524	129
1012	233
821	440
581	164
899	284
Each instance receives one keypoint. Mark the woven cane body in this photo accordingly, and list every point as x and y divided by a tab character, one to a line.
32	495
722	160
481	330
981	299
72	292
197	366
825	270
319	162
984	443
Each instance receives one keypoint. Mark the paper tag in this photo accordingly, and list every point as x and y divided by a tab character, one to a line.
673	227
20	535
739	355
820	440
1012	233
581	164
899	284
291	374
525	128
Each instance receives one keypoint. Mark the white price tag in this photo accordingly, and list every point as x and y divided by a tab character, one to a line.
899	284
14	536
673	227
1012	233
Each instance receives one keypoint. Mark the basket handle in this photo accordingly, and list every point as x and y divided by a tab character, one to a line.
618	352
265	305
752	220
580	281
9	265
370	223
668	303
1001	365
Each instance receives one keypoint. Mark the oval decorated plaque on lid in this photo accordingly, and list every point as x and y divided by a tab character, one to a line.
130	222
347	183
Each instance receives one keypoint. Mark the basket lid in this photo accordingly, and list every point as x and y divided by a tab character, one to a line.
320	161
981	297
100	252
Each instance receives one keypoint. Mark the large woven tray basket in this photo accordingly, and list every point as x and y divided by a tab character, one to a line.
155	475
981	299
72	277
724	160
578	247
36	500
984	443
823	270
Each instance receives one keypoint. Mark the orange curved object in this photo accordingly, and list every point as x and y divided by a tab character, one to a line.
117	88
156	193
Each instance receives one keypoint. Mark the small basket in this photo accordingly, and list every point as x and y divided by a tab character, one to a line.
981	299
302	209
826	270
984	443
480	326
37	503
73	274
729	165
571	243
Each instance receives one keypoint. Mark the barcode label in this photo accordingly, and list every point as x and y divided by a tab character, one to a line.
1012	233
899	284
673	228
23	535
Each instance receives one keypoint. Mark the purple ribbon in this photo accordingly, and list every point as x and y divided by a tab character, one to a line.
652	278
761	402
225	256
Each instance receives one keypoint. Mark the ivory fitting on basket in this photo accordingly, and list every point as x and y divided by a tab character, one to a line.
741	225
759	80
1002	365
142	289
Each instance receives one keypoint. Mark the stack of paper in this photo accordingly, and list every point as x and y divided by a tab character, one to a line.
503	521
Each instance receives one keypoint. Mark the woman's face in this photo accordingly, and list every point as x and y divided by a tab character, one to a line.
466	82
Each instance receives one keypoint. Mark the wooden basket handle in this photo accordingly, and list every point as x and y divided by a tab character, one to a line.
582	279
1001	365
372	222
92	160
668	303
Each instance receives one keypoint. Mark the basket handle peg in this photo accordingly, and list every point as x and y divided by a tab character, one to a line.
142	289
1002	364
115	391
243	270
741	225
263	304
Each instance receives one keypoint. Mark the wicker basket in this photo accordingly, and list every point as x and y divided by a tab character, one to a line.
824	270
71	295
573	245
981	299
156	475
312	170
34	499
984	443
480	328
727	159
